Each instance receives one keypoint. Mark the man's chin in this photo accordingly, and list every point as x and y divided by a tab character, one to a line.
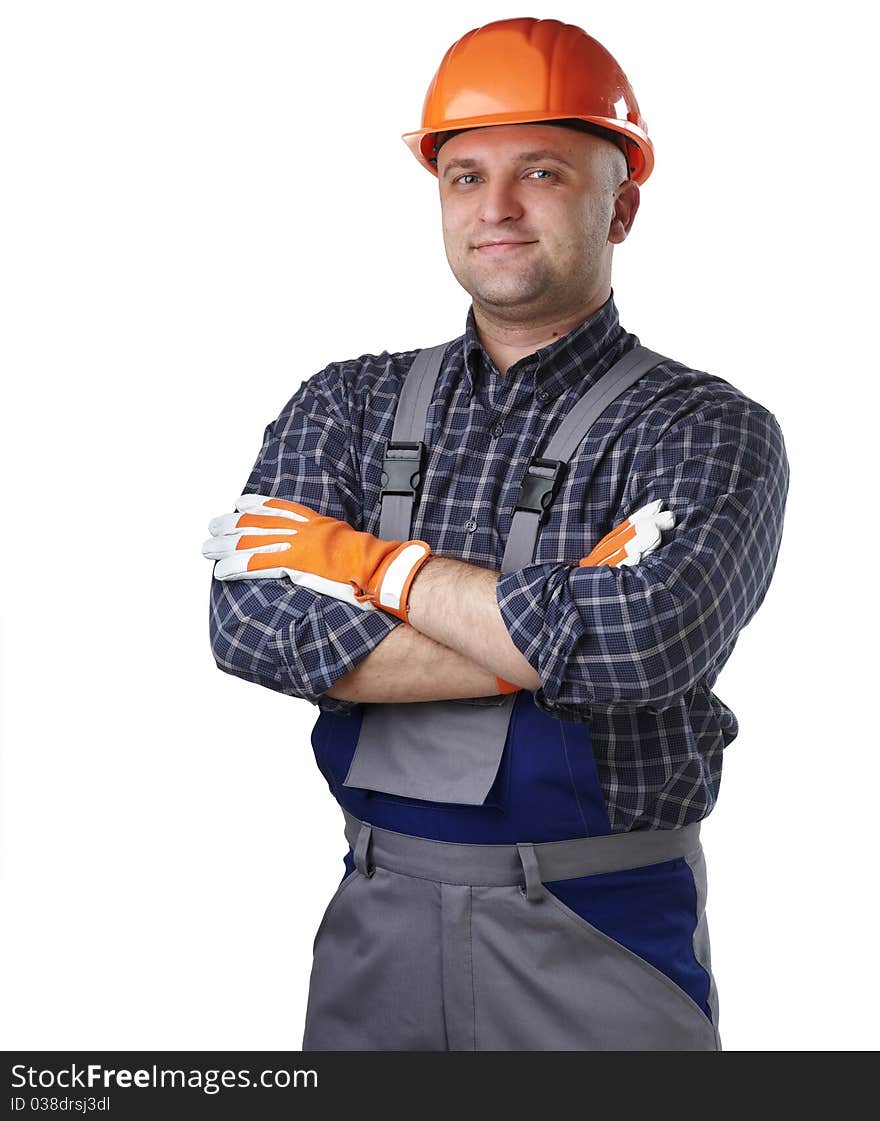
499	297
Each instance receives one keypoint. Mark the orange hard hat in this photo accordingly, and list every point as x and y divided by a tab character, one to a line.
520	71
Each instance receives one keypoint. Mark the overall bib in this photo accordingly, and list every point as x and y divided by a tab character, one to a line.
486	903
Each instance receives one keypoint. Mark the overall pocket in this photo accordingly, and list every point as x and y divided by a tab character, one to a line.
546	978
651	916
433	751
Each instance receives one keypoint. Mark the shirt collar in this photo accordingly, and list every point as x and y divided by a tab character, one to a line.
575	358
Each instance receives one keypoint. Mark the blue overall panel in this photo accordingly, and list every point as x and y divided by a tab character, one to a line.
546	788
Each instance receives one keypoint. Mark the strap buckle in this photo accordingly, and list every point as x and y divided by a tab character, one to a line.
540	484
402	467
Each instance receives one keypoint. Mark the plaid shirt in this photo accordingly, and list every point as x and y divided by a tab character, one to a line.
633	650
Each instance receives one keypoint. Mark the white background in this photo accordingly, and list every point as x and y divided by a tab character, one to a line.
202	204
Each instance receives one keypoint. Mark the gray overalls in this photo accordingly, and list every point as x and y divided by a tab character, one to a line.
487	905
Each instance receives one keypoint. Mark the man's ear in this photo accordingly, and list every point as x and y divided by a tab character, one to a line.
626	205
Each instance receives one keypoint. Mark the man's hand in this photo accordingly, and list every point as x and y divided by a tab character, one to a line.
633	538
271	537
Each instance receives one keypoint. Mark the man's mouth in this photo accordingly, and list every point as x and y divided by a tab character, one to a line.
493	247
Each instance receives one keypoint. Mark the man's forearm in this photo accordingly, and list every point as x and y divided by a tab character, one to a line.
409	666
454	603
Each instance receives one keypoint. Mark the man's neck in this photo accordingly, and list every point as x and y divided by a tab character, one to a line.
506	343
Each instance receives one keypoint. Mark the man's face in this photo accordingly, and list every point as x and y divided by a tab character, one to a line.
564	213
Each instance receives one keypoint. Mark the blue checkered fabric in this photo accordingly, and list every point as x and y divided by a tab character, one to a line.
633	650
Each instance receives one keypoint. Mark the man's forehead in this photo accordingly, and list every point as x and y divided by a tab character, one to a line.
526	141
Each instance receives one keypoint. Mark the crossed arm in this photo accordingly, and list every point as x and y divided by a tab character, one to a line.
578	636
298	642
455	645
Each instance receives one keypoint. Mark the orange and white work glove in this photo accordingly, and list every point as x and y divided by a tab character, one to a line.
634	538
271	537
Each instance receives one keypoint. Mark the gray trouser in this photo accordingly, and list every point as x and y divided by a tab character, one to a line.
437	946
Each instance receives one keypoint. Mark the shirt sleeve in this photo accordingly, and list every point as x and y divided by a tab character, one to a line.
644	635
275	633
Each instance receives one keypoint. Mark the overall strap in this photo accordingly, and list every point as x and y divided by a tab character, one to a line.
450	751
405	457
544	473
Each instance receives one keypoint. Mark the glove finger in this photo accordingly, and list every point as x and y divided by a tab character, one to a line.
601	553
623	532
280	507
281	523
223	523
243	563
648	536
228	523
619	556
244	545
640	532
629	551
627	556
220	546
614	540
644	541
665	519
646	511
233	568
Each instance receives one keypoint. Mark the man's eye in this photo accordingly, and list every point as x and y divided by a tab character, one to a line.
542	170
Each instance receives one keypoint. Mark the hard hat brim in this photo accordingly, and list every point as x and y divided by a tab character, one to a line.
641	158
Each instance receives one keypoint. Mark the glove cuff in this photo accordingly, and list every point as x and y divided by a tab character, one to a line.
396	577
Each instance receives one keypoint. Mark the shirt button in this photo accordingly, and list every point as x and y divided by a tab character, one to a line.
497	428
470	525
542	395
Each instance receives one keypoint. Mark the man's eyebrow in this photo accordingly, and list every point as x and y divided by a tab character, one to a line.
523	157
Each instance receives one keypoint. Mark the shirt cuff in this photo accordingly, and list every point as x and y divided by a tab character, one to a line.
329	641
540	615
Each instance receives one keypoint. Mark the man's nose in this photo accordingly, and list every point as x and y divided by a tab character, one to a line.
499	201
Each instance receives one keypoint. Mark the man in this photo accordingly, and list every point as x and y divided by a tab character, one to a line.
460	554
